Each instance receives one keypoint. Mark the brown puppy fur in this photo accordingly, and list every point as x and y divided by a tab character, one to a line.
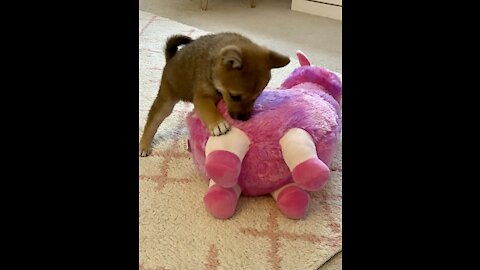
205	70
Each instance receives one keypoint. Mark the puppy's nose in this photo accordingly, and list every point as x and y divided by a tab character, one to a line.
244	116
240	116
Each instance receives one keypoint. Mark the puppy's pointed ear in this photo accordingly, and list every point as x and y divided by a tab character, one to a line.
231	57
278	60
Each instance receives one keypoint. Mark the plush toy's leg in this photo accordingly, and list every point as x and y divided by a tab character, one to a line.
292	201
224	155
221	202
299	152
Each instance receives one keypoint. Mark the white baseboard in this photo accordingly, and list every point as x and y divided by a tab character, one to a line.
330	8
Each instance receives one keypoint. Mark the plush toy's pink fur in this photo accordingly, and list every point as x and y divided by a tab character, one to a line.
308	99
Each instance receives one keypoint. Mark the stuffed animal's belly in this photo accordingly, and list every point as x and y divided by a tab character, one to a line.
263	168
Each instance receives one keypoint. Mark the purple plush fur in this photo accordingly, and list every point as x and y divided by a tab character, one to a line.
308	99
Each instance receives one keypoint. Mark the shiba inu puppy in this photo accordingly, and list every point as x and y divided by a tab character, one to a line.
205	70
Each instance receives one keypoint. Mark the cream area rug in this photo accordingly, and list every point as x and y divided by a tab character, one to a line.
176	231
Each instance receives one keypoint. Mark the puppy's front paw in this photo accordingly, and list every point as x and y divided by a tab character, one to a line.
219	128
145	151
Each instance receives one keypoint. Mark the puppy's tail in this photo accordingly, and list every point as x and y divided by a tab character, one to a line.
172	44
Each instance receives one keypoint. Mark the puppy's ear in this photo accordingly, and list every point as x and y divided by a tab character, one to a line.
278	60
231	57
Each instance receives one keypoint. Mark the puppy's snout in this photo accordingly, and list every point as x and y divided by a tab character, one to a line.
240	116
243	116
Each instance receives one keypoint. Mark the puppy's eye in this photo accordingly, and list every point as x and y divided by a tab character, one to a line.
236	97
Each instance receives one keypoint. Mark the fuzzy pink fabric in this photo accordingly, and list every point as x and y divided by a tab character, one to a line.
293	202
221	202
224	167
308	99
311	175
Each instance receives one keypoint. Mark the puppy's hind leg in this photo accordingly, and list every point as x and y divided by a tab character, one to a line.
161	108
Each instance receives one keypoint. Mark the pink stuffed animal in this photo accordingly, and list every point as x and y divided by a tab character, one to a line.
284	149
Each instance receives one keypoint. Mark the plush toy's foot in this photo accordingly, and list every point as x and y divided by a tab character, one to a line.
293	202
223	167
311	175
221	202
